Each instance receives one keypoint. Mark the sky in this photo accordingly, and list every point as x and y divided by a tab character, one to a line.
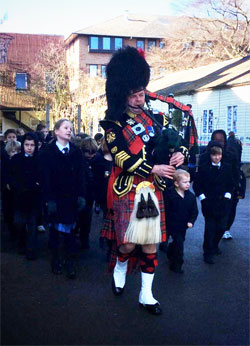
62	17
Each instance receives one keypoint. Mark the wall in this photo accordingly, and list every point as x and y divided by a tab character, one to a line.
218	101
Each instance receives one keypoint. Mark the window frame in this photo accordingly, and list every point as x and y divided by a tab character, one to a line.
150	45
18	88
232	117
100	44
92	65
103	74
138	46
49	83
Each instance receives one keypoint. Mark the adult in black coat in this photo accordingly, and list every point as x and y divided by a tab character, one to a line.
214	186
24	182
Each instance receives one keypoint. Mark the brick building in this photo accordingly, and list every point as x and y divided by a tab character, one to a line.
17	54
90	49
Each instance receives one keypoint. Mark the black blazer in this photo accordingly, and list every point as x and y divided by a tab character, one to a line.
214	183
179	210
63	180
24	181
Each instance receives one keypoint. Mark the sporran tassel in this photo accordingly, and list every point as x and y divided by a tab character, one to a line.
146	230
142	208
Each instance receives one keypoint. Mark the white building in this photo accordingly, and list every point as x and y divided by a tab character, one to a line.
219	94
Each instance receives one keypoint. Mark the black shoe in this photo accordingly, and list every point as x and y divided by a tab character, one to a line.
56	267
70	269
117	290
208	259
152	309
31	255
176	268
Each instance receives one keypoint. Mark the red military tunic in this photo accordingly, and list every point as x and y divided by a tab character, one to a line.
133	163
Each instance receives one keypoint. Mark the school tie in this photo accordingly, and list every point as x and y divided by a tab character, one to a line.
65	151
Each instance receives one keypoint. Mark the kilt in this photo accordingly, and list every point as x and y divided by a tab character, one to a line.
117	220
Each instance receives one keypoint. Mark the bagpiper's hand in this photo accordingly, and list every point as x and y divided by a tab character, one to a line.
166	171
190	225
177	159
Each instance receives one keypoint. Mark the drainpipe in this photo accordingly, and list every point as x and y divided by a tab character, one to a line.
78	119
47	116
20	118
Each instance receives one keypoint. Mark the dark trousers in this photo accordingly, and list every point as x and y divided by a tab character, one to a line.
25	224
214	230
56	239
8	211
175	251
85	218
232	212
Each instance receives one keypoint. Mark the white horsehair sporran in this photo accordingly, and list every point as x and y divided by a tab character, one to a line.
145	229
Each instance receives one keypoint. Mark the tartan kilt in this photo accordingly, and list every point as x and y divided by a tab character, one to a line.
117	220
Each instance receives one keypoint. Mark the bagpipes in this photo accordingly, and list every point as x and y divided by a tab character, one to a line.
187	131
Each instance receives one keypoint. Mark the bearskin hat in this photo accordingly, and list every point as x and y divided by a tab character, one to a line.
127	71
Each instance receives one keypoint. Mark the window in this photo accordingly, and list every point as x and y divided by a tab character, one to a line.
21	81
118	43
93	70
204	121
103	71
97	43
151	44
188	45
140	44
49	83
106	43
207	124
232	118
162	44
93	42
210	121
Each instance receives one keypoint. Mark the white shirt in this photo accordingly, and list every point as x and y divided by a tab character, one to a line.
61	147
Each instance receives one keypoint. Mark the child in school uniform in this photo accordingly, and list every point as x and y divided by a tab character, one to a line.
64	191
89	149
24	183
12	148
214	185
181	213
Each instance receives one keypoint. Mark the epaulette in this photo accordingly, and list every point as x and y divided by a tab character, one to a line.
106	124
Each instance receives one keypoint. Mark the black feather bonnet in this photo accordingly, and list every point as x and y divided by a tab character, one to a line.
126	72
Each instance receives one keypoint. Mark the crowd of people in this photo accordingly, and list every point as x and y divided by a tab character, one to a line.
56	181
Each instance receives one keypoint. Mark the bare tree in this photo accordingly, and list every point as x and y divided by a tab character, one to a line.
50	82
51	85
227	27
224	33
90	95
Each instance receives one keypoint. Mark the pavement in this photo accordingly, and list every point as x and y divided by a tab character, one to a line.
207	305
